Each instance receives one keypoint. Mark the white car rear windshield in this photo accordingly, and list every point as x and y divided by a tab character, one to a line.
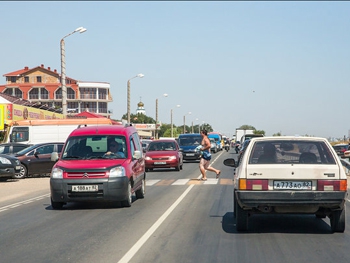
291	152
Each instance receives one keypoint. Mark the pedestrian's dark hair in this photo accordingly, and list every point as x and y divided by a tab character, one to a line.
204	131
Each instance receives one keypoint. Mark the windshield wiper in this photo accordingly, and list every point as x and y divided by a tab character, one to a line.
72	157
94	157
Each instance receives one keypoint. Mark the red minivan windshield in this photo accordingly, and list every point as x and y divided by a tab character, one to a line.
95	147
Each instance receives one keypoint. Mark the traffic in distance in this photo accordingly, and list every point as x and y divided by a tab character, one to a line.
99	169
109	163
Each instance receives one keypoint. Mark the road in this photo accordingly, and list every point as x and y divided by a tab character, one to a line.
179	220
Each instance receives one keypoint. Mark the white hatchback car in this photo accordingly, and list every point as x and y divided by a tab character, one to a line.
289	175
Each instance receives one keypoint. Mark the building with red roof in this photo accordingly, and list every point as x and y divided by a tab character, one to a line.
42	86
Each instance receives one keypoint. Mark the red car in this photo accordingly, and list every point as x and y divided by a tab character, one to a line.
163	153
87	170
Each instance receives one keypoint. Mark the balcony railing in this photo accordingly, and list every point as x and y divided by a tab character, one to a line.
87	96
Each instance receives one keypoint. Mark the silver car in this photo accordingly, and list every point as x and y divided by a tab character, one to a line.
213	145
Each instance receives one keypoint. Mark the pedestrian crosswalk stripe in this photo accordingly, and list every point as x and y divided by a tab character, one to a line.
181	182
209	181
165	182
151	182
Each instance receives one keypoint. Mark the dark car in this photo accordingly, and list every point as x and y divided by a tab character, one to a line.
188	143
340	149
163	154
12	147
36	159
9	166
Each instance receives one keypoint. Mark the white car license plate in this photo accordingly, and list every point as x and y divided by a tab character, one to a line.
189	154
292	185
84	188
18	167
159	162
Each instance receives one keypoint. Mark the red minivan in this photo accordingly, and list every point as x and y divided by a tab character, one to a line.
87	170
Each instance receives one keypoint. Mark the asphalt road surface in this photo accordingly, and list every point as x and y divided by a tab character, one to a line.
180	219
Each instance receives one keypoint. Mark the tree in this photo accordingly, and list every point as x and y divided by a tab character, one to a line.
163	128
250	127
207	127
277	134
176	132
139	118
259	132
247	127
196	128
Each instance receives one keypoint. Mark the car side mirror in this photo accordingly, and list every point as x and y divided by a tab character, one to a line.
230	162
137	155
54	156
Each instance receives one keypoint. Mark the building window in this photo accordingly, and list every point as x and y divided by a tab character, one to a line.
58	94
34	94
102	107
70	94
8	91
44	94
57	105
89	106
13	79
26	79
38	79
18	93
88	93
102	94
72	107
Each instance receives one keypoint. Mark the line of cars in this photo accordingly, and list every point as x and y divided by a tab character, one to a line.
171	153
342	149
164	153
18	161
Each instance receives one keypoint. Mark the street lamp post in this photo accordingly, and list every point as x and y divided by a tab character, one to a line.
189	113
156	131
171	118
192	127
198	126
63	69
128	85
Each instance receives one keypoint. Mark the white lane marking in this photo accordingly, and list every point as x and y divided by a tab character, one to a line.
4	208
151	182
132	251
211	181
180	182
27	202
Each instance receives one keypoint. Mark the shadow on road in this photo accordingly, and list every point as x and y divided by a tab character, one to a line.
294	224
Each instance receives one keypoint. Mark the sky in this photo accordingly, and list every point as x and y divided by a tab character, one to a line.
277	66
